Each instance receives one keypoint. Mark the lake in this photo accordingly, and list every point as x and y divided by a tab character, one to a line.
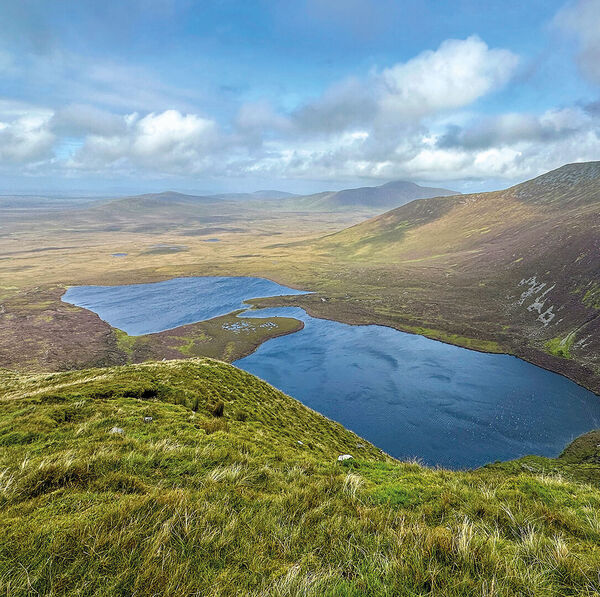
147	308
407	394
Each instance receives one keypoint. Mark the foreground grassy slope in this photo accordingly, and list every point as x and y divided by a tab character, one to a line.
234	488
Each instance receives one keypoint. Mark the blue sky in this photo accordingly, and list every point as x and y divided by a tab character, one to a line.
127	96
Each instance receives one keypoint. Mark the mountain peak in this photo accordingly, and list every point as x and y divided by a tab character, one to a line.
388	195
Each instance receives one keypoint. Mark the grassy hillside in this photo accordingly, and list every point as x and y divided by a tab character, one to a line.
233	488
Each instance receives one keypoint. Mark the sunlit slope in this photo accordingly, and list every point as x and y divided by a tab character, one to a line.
196	478
527	259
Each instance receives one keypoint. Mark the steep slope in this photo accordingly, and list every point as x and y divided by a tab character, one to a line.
518	267
195	478
569	186
392	194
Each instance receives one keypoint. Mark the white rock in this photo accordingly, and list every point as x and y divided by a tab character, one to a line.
117	430
147	419
343	457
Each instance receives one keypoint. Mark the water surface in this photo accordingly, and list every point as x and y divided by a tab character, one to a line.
147	308
409	395
416	397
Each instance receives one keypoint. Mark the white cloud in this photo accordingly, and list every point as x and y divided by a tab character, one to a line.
168	141
413	120
509	147
515	128
455	75
582	20
25	135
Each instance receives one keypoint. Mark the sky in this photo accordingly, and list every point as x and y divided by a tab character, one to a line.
126	96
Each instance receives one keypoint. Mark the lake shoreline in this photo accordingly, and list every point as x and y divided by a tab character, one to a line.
571	370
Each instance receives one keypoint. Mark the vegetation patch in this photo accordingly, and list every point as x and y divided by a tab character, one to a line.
561	347
472	343
591	298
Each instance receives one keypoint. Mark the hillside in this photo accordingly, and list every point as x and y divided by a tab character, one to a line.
174	199
266	194
193	477
168	200
518	268
387	196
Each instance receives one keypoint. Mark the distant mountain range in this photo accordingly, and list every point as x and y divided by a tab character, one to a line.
373	199
386	196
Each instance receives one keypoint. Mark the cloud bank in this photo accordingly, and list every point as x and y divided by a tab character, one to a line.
416	119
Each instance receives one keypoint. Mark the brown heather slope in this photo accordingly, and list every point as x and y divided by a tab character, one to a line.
515	271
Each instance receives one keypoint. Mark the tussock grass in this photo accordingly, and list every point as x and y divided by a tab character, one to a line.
195	502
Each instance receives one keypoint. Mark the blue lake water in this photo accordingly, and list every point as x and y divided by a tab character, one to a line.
409	395
147	308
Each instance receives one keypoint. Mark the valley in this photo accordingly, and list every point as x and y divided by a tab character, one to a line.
299	299
511	271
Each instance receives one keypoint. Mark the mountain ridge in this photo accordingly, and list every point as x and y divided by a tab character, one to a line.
388	195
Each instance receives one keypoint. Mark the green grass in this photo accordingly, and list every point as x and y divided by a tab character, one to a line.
198	502
125	342
226	338
561	347
471	343
591	298
585	449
